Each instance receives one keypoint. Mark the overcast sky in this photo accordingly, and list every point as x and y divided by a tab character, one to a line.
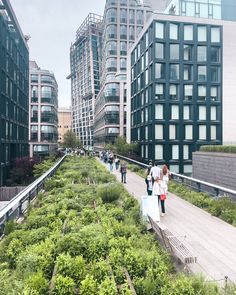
52	25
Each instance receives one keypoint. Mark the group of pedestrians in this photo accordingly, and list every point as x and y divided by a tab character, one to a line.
157	183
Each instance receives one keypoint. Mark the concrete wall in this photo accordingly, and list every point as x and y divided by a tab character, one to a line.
216	168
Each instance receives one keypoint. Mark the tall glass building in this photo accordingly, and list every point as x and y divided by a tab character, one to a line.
176	89
123	22
14	88
43	111
85	60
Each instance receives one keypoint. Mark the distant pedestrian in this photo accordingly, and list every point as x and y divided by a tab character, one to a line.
123	171
110	162
148	180
117	163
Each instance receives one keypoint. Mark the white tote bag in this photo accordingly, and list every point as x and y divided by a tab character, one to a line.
149	206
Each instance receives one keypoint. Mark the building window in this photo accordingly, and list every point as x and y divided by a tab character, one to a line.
123	48
159	50
174	168
213	132
146	132
188	92
159	30
186	112
122	64
215	74
201	53
174	72
202	113
189	132
158	131
34	94
215	54
146	114
188	52
188	169
159	91
174	92
215	35
159	111
213	113
174	31
202	34
123	16
214	93
158	152
201	92
186	152
174	51
202	132
175	152
174	112
202	73
159	71
172	132
112	48
188	32
188	72
123	32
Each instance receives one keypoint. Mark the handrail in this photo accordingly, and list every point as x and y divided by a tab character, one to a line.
17	202
198	182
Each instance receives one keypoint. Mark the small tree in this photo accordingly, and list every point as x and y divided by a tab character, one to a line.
122	147
70	140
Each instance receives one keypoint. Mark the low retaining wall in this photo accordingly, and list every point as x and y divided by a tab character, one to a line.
7	193
216	168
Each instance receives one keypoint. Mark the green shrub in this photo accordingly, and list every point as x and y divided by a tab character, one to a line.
219	148
109	192
37	283
88	286
64	286
71	267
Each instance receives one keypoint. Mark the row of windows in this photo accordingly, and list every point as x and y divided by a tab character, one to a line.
190	92
44	79
174	132
186	113
188	32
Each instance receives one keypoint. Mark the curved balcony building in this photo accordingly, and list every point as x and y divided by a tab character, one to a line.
43	111
123	22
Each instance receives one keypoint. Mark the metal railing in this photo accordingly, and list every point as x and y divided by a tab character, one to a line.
19	204
196	184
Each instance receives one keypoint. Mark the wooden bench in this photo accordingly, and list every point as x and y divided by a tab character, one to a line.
172	243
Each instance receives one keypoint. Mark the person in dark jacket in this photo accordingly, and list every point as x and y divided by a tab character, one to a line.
123	171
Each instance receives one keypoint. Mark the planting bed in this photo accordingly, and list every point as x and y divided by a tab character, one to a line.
84	236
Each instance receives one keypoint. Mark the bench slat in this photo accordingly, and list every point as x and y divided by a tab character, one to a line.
171	242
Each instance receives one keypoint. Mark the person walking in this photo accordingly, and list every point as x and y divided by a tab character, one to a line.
148	180
123	171
155	172
110	162
164	187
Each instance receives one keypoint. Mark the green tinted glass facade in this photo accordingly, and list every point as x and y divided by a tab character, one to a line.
176	91
14	63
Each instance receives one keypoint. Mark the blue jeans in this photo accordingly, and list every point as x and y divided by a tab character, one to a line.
111	166
123	177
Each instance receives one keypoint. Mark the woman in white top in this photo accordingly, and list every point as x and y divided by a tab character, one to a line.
160	188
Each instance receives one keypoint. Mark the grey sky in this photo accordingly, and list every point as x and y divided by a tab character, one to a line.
52	25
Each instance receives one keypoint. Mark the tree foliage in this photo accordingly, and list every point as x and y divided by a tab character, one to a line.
121	147
70	140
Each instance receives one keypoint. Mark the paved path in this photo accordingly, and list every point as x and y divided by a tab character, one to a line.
210	239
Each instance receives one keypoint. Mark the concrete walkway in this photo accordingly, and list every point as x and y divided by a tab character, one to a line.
210	239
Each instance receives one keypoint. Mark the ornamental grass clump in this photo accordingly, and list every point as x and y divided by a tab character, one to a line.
110	192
